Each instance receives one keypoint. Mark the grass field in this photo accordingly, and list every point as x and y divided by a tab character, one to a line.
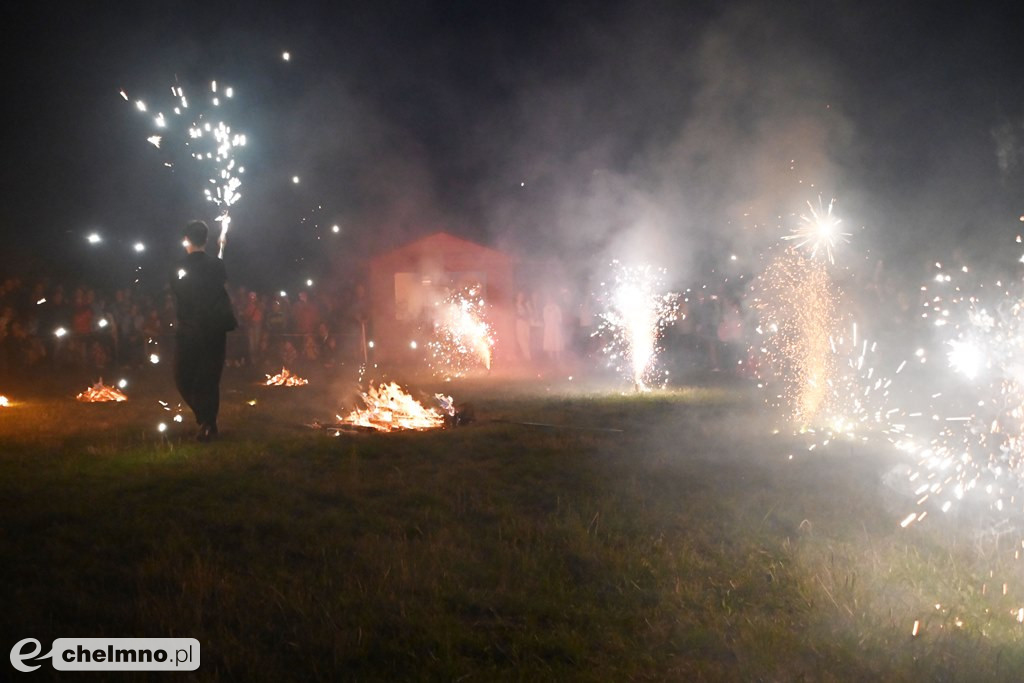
687	546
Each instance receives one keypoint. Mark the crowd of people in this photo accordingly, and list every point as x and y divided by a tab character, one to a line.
52	325
46	324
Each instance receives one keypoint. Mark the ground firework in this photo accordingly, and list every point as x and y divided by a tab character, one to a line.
636	312
462	338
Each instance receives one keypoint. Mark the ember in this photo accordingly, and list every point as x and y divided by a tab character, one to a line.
388	408
100	393
286	379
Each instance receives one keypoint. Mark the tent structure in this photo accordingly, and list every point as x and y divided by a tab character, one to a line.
406	283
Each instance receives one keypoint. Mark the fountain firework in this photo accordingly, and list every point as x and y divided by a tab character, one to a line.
463	339
636	312
797	308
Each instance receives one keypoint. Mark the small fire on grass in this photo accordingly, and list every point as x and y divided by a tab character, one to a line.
388	408
286	379
101	393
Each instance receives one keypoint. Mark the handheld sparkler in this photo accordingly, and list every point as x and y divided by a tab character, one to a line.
209	140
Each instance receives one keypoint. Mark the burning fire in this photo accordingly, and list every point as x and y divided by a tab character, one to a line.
388	409
100	393
4	402
286	379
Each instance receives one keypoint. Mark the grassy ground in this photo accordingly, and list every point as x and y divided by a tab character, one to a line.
688	546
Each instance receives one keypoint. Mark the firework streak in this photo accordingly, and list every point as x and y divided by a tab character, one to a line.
209	141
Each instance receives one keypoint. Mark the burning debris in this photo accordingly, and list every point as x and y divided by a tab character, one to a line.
101	393
388	408
286	379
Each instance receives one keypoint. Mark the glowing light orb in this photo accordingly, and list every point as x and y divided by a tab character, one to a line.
965	358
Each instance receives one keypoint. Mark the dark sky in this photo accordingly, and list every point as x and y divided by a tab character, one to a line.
572	131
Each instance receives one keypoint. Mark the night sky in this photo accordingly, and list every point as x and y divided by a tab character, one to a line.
567	132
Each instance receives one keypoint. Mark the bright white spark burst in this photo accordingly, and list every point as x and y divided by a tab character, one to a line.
635	313
819	231
210	141
969	441
463	339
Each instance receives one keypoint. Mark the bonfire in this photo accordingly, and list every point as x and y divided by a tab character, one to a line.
286	379
101	393
388	408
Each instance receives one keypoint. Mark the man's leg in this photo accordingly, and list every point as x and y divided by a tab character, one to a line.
186	359
208	381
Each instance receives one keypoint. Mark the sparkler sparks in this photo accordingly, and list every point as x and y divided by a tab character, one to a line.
819	231
635	316
463	339
210	141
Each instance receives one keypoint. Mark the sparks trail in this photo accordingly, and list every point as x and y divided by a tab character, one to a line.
208	140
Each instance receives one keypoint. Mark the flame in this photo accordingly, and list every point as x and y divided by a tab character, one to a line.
388	409
286	379
100	393
4	402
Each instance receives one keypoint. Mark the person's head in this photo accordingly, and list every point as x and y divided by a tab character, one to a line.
195	233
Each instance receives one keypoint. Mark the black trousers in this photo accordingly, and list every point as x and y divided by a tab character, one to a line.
198	364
